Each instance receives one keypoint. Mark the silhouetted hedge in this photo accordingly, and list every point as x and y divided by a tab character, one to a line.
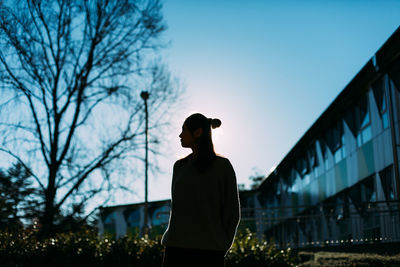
248	251
85	248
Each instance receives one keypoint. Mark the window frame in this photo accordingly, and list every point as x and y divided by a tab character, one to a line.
341	148
384	111
360	136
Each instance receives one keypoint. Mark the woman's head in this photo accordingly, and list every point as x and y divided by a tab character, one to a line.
196	134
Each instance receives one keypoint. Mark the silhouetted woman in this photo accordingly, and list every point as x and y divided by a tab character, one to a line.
205	209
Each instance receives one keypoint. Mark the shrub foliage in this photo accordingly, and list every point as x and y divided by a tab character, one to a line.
248	251
86	248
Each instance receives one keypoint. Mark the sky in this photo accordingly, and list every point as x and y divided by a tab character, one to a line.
266	69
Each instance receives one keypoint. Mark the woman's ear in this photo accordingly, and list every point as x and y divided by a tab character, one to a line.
197	133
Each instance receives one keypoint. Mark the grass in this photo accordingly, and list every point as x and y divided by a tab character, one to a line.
310	259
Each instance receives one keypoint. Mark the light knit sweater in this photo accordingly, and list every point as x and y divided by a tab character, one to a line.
205	207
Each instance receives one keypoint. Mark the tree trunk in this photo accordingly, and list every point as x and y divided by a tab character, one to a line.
50	212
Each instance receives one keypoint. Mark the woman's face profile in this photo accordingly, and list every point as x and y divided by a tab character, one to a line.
187	139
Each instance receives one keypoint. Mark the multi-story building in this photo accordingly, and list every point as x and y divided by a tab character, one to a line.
340	182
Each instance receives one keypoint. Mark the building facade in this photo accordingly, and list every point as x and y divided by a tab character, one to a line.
124	220
129	219
340	182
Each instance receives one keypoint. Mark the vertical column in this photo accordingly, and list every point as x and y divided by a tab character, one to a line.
390	94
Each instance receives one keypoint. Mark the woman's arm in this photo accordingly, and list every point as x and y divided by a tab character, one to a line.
231	205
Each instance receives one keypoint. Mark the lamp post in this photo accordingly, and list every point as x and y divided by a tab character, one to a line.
145	95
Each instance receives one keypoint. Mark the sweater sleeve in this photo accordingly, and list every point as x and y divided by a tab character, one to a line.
230	206
165	235
173	177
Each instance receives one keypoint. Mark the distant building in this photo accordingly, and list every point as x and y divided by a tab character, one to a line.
338	185
129	219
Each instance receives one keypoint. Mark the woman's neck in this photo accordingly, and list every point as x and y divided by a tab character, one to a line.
195	152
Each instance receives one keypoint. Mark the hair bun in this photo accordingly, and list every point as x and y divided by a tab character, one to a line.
215	123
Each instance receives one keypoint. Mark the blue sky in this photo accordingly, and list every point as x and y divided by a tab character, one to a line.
267	69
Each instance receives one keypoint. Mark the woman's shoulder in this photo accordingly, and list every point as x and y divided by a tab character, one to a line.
182	161
224	167
221	160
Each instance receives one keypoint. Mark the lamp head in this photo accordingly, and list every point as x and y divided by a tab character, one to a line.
144	95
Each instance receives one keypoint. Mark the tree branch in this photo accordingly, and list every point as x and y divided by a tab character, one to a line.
25	166
32	107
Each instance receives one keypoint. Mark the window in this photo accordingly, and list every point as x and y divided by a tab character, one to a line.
365	134
324	150
386	176
335	141
312	155
358	120
378	89
384	113
277	189
306	179
297	184
340	150
369	189
362	193
303	168
326	161
315	170
303	171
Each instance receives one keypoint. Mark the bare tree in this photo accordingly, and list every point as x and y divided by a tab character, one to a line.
71	73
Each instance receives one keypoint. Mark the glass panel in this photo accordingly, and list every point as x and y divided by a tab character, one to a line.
314	192
359	141
297	184
316	174
387	183
366	120
343	147
373	197
306	179
284	186
338	155
110	218
369	190
366	134
326	164
385	120
343	152
383	108
134	218
304	170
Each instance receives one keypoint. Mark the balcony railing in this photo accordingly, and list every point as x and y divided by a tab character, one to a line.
325	224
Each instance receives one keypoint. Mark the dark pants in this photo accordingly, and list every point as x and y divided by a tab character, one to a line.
176	257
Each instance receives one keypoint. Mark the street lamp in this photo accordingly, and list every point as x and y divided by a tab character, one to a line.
145	95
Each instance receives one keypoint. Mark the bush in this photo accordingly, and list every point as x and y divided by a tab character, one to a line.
85	248
248	251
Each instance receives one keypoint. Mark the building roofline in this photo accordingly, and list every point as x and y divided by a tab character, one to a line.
134	204
157	201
